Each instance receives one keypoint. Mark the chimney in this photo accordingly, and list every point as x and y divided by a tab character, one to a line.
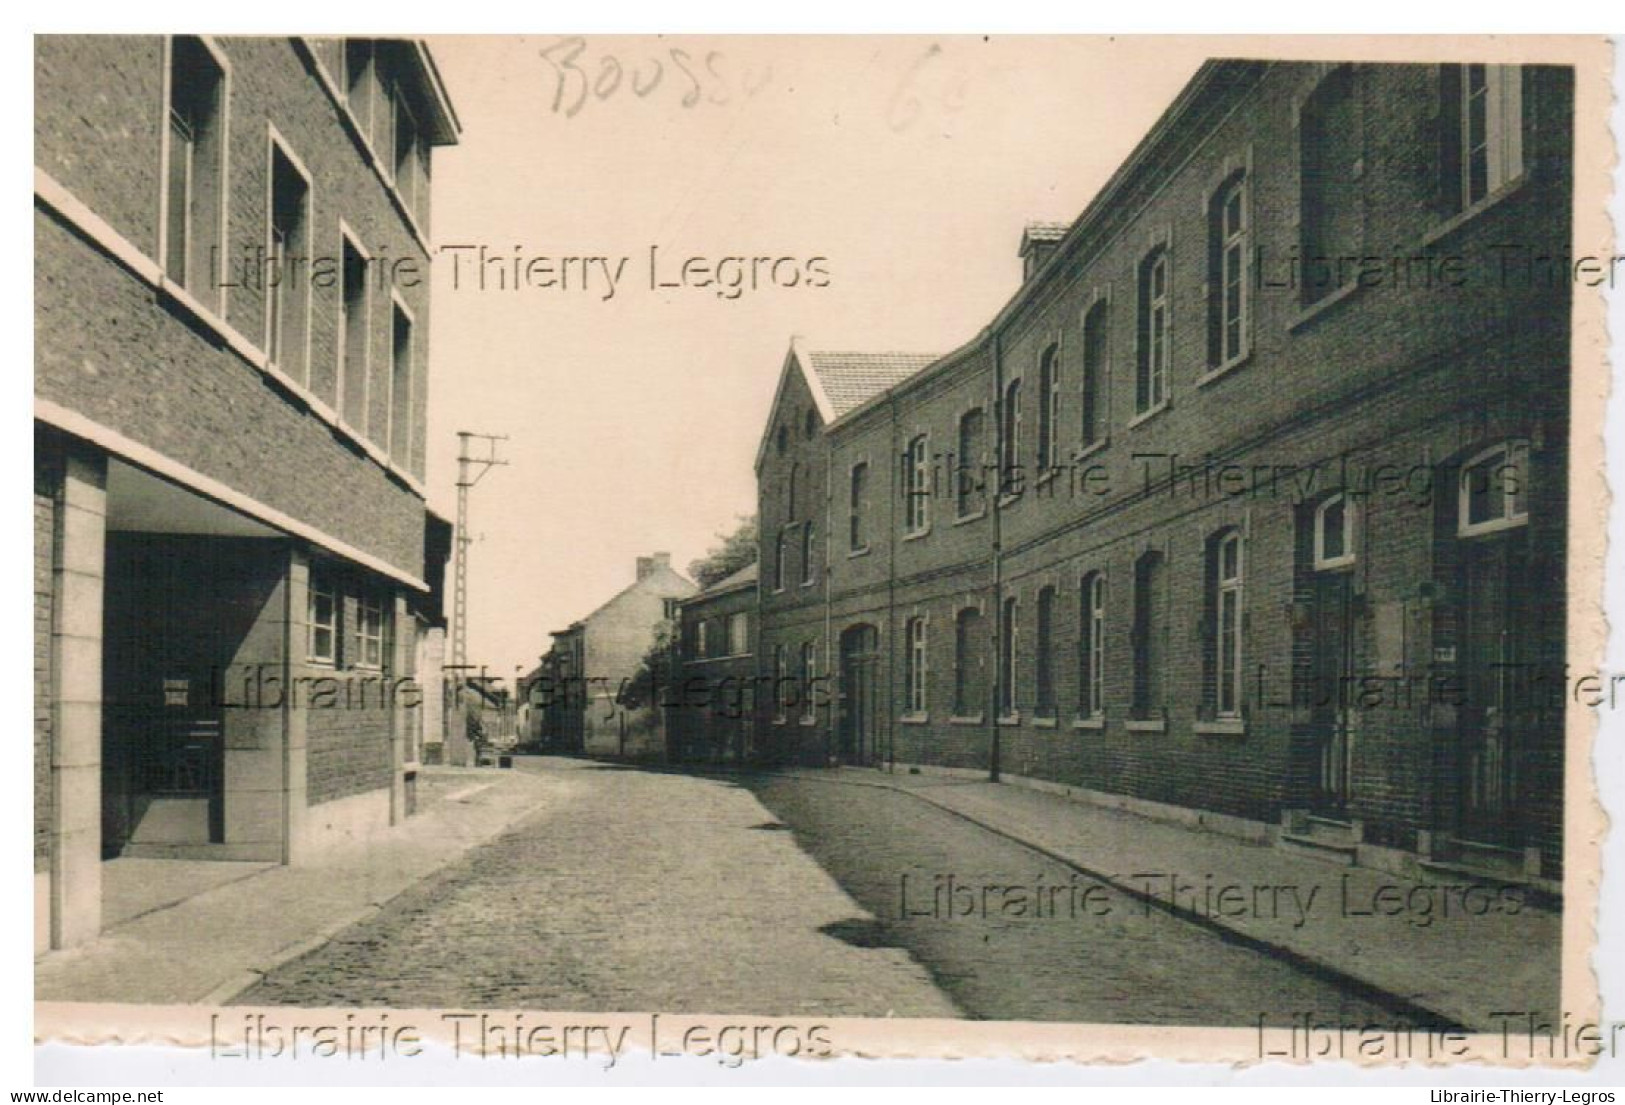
648	565
1038	241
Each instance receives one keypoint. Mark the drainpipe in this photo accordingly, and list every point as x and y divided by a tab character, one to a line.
894	466
996	684
828	584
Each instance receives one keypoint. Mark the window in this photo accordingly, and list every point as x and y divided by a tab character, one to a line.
809	426
1044	698
1494	491
1151	378
288	279
1092	646
858	506
969	666
781	679
370	630
1149	636
1330	189
1227	273
781	549
914	667
322	624
1049	410
967	478
807	560
194	193
1225	626
410	164
1010	482
400	389
783	439
1094	374
1334	533
809	679
353	341
917	486
1483	122
359	79
738	634
1007	659
701	645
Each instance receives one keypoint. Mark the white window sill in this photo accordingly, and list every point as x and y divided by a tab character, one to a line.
1093	721
1325	303
972	517
1218	372
1148	414
1044	721
965	719
1009	499
1221	727
1091	449
1495	525
1010	719
917	534
862	550
1462	218
915	719
809	721
1146	725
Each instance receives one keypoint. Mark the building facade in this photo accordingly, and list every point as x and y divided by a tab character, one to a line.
585	697
711	703
1248	508
232	556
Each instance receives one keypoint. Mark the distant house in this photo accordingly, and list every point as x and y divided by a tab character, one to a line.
711	709
577	698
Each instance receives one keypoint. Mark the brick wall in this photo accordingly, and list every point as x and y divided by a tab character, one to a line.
129	358
1410	377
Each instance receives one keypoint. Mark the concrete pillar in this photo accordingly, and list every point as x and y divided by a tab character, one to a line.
404	641
295	743
255	761
78	575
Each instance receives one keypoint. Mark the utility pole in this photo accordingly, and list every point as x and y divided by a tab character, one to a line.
471	469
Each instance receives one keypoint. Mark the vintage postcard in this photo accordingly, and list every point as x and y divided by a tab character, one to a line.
609	552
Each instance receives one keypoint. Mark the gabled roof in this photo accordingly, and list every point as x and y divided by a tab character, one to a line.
849	379
840	382
733	581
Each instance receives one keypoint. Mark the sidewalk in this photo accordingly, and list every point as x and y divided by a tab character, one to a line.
1410	940
180	935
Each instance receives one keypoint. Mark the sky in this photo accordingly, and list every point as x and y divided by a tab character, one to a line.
893	176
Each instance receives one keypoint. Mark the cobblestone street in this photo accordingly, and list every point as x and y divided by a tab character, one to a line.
636	890
628	890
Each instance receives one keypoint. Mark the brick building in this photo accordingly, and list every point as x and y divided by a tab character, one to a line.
233	563
712	700
578	698
1247	509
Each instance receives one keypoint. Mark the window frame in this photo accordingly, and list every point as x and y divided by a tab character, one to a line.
1503	132
808	550
213	292
1515	453
400	309
349	240
916	666
1009	703
277	146
1092	646
917	486
857	494
1229	591
1223	241
321	580
1048	455
809	672
1153	352
967	490
1346	559
370	638
1094	379
1011	480
1045	705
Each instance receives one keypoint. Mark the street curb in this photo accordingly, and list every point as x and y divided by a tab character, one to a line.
1318	968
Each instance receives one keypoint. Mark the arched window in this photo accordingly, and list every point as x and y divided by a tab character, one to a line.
1151	376
1044	698
915	667
781	549
917	486
1334	533
1225	622
969	665
1007	659
1010	482
808	549
1094	374
1049	409
1092	645
809	678
1227	273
